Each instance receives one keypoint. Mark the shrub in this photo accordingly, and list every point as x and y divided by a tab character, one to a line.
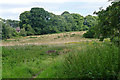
90	33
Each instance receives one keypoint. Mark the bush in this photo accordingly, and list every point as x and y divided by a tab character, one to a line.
23	32
90	33
115	40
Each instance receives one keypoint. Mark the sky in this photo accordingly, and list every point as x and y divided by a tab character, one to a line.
11	9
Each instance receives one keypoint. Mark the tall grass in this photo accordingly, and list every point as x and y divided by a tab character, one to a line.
75	60
96	60
26	61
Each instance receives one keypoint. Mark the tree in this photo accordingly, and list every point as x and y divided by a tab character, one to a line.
78	19
29	30
0	29
90	33
24	18
109	22
7	28
23	32
6	31
12	23
44	22
70	26
65	12
90	20
39	18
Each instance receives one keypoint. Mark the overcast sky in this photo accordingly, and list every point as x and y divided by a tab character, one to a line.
11	9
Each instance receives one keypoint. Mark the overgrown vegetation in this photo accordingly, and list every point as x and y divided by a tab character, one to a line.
74	60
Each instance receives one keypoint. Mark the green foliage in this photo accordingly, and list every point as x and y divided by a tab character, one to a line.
0	30
14	33
107	24
94	61
90	33
7	28
38	21
24	18
65	12
26	61
44	22
32	37
23	32
84	60
28	29
90	20
78	19
109	21
7	31
12	23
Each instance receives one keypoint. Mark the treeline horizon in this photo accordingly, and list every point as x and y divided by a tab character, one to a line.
38	21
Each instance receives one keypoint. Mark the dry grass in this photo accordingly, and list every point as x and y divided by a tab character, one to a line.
58	38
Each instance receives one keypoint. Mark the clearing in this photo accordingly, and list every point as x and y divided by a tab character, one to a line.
58	38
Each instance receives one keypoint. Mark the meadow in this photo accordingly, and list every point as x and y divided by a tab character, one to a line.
83	58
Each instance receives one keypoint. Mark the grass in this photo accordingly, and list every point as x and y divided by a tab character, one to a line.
71	56
73	60
94	61
97	60
58	38
26	61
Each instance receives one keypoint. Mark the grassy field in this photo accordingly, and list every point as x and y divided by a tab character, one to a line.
58	38
84	58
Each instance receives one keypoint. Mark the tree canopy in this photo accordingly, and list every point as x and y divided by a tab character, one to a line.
38	21
44	22
108	23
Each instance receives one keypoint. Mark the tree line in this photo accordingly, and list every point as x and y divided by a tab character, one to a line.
7	28
38	21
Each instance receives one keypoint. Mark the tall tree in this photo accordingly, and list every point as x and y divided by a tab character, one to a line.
24	18
78	19
39	18
109	22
